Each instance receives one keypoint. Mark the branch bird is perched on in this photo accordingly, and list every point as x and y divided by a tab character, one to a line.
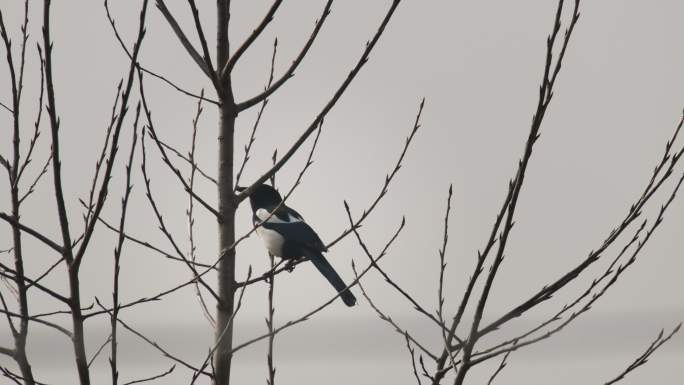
286	235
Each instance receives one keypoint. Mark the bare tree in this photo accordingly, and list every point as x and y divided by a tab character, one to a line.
459	350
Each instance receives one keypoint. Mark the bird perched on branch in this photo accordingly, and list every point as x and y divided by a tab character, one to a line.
286	235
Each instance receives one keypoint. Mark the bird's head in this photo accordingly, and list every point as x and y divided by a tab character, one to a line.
263	196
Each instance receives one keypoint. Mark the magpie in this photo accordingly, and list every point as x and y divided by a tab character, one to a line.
286	235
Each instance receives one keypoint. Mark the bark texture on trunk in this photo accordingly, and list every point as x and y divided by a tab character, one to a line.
227	205
226	274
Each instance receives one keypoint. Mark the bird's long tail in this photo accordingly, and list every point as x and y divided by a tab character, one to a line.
331	275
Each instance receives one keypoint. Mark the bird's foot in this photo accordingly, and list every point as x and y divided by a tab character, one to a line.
290	265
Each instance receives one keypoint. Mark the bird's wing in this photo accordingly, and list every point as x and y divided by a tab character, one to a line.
298	232
283	215
293	213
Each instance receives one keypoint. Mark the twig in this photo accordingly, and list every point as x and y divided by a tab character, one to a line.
295	63
225	71
329	105
446	333
183	39
206	361
103	153
190	213
39	236
36	124
158	376
643	358
117	251
39	321
269	324
20	336
387	278
3	105
389	319
147	71
413	358
10	375
165	157
162	225
187	160
558	316
33	185
252	138
97	353
149	341
123	108
147	244
203	42
498	370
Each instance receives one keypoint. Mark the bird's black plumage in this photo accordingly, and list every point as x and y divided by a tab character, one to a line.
288	236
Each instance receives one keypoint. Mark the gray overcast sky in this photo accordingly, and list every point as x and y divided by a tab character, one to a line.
478	63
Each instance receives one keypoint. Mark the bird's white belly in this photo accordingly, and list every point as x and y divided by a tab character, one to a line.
272	240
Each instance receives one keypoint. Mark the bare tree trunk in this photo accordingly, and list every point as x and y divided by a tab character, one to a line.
227	205
226	277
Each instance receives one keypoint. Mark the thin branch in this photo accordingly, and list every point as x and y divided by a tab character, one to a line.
3	105
387	278
269	324
33	185
10	375
183	39
147	71
446	334
158	376
39	236
289	73
203	43
250	39
165	157
208	359
187	160
102	195
643	358
498	370
145	243
162	225
570	306
149	341
103	153
329	105
190	214
252	138
39	321
389	319
413	358
36	124
99	350
113	359
13	328
16	276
